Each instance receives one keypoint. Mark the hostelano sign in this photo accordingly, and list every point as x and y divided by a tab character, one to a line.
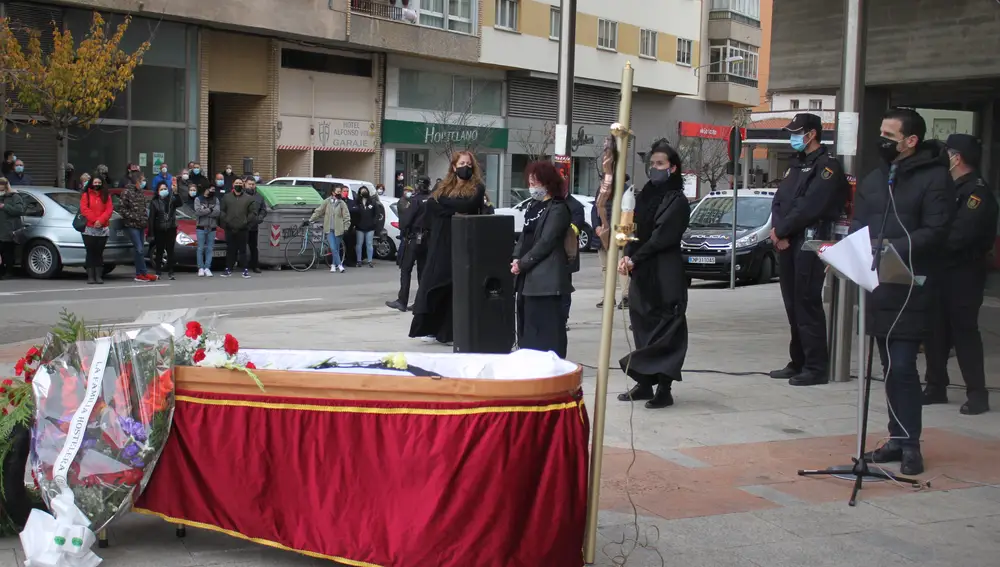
402	132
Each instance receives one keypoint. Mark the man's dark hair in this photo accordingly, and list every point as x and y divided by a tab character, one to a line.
913	123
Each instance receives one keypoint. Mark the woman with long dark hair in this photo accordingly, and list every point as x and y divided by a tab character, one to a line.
658	291
96	207
541	263
462	192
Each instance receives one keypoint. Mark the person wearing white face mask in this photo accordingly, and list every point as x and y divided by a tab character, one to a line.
163	176
186	188
163	226
658	292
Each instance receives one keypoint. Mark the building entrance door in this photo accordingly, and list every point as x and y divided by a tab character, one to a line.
412	164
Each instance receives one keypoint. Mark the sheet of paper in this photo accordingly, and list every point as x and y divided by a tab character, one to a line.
853	258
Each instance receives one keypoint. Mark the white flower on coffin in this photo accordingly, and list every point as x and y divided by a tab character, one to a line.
203	347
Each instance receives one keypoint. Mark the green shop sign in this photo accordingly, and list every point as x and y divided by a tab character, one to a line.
428	134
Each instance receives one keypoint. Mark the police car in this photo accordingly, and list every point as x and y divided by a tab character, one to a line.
706	246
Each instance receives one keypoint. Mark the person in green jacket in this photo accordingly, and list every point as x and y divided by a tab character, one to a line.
238	213
11	209
336	221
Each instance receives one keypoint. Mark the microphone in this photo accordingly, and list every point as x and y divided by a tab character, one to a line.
892	175
877	256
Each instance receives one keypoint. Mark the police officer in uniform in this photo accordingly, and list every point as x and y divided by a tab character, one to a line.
413	245
809	200
954	315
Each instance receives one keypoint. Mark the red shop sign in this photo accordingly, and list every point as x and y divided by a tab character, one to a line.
709	131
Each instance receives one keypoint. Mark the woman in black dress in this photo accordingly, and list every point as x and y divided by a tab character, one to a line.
461	193
658	291
541	263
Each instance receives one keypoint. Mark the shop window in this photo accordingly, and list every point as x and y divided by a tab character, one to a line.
427	90
325	63
487	97
155	141
97	145
158	94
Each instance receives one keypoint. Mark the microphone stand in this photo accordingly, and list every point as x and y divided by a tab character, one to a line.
860	471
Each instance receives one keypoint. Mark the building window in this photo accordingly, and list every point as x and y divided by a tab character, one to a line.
555	23
748	8
426	90
507	14
794	104
325	63
453	15
607	35
684	49
815	104
724	69
647	43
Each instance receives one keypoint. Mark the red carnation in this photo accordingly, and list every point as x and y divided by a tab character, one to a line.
194	330
19	367
199	355
8	383
33	353
29	375
231	345
5	411
251	366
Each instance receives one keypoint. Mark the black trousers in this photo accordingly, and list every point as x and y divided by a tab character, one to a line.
254	252
540	323
802	275
411	254
7	251
954	322
163	243
94	245
567	303
236	248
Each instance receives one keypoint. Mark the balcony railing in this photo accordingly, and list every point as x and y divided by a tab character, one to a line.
738	18
730	78
377	9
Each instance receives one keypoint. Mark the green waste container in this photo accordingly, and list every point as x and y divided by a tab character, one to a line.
287	207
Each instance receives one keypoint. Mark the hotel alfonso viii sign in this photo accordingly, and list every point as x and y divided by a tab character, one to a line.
403	132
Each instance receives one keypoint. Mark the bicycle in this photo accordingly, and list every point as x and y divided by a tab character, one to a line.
301	253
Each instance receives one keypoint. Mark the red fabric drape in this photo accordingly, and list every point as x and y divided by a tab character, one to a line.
381	483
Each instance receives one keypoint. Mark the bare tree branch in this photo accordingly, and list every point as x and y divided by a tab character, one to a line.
713	163
537	147
462	133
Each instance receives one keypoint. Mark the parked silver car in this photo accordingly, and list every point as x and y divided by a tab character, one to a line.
51	242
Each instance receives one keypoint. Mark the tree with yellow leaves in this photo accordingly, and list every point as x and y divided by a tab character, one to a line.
69	86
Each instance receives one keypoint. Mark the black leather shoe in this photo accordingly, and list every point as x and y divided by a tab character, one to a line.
785	373
600	305
638	392
913	462
885	454
809	379
662	399
623	304
933	395
976	405
396	305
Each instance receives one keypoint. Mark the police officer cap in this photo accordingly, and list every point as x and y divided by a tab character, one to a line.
967	146
803	122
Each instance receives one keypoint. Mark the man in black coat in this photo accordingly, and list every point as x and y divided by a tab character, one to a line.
908	203
413	246
958	293
808	202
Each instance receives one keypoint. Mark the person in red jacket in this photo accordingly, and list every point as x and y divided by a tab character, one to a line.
96	207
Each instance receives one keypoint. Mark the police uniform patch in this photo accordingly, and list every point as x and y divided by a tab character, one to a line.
973	202
827	173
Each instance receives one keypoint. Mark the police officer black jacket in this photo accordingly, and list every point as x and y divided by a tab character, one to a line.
812	195
973	232
923	196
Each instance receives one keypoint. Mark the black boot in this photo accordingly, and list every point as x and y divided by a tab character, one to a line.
785	373
809	378
91	278
912	462
99	275
638	392
935	395
977	404
662	399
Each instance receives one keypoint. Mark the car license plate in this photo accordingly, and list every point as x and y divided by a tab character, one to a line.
218	253
701	259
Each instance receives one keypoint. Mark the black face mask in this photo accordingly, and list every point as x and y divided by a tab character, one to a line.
464	173
659	176
237	189
888	149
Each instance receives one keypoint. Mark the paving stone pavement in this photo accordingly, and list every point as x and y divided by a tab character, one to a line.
712	481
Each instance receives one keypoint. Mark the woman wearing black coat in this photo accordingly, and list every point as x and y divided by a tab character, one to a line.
541	263
658	293
163	226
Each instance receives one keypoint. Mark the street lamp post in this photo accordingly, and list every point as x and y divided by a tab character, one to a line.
567	72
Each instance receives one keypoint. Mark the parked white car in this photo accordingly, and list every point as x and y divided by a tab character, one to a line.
324	184
588	240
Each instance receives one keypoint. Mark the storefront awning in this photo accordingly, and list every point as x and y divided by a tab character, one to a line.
327	149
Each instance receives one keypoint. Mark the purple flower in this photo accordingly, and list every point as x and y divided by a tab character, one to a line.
88	443
130	451
132	428
137	463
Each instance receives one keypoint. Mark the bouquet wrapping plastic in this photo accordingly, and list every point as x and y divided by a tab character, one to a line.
103	411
